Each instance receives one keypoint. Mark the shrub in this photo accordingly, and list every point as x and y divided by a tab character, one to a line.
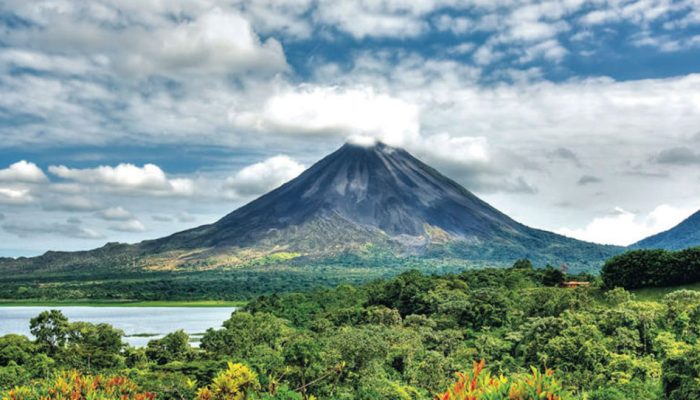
235	383
480	384
76	386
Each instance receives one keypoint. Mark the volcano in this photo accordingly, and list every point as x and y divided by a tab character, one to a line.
359	201
383	196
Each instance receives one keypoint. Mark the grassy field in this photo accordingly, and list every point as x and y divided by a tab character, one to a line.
120	303
656	294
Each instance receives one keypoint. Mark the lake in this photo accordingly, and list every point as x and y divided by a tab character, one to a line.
140	324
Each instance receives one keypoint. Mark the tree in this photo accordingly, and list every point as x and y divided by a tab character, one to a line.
523	264
382	315
552	276
243	332
680	375
174	346
50	328
93	346
618	296
17	349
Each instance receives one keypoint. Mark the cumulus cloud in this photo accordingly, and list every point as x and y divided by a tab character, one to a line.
622	227
115	214
23	171
149	179
210	41
375	19
456	25
130	226
12	196
220	42
330	110
261	177
286	17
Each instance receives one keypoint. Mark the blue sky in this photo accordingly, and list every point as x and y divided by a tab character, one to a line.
127	120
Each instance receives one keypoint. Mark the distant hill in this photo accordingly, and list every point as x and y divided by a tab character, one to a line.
359	203
684	235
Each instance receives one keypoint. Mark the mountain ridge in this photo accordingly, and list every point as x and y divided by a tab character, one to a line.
684	235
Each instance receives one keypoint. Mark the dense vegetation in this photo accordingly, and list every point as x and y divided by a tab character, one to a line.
401	338
652	268
219	284
123	272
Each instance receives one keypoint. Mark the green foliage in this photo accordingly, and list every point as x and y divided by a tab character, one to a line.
652	268
552	276
77	386
523	264
237	382
50	328
680	375
174	346
480	384
399	338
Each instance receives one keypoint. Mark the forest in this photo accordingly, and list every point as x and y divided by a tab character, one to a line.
478	334
652	268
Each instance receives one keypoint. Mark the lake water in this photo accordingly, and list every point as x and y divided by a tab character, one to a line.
152	321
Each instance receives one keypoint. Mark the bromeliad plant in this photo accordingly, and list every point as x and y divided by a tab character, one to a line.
480	384
73	385
235	383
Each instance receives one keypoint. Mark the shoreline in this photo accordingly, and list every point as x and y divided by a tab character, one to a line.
121	303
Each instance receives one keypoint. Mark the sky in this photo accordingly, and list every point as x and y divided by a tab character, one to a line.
128	120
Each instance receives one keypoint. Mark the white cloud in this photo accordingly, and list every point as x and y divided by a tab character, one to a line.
457	150
187	39
115	214
456	25
279	16
21	58
343	112
149	179
549	50
15	196
23	171
375	19
637	12
130	226
261	177
216	42
624	227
